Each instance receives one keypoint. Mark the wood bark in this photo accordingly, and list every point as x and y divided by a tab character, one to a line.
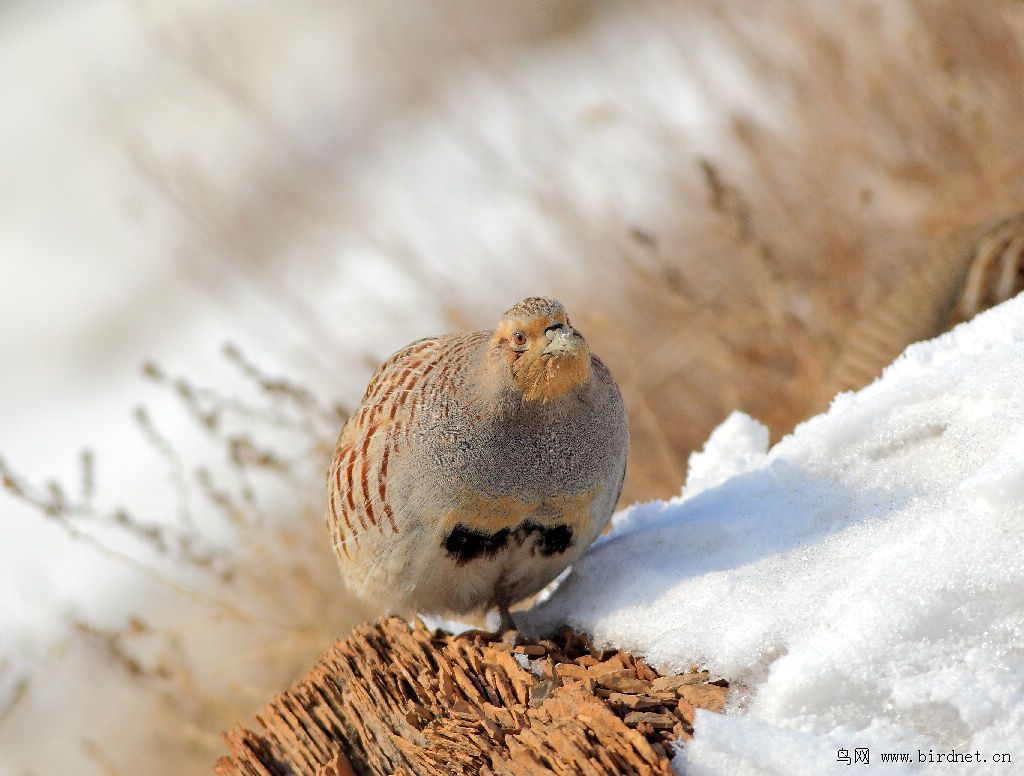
395	698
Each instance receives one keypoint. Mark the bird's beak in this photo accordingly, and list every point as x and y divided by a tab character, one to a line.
563	340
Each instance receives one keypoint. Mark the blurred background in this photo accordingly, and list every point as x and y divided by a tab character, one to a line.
217	217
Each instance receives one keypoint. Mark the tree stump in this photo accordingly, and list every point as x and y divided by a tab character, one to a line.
395	698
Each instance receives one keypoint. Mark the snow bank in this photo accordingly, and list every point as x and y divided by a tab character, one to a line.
861	583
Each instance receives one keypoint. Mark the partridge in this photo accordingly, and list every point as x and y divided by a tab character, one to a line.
477	466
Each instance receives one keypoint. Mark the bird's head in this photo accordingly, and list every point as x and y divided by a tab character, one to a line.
536	345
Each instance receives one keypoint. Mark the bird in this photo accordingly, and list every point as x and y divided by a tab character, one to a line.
478	466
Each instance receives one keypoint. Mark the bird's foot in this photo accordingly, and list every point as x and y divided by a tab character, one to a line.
477	634
512	637
507	628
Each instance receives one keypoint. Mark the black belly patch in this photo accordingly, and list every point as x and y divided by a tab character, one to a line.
464	544
553	540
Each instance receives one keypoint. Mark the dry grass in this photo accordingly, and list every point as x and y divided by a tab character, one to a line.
896	131
254	597
895	125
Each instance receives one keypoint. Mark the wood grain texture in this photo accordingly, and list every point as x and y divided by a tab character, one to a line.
399	699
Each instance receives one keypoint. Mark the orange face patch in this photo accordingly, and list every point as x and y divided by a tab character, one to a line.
542	376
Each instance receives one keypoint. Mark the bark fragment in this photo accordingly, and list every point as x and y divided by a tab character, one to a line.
395	698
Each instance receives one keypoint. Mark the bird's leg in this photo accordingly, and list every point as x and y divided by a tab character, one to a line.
507	623
507	628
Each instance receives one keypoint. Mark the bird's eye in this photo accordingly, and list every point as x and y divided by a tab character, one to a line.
518	339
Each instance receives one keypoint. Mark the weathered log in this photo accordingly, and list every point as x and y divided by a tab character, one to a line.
399	699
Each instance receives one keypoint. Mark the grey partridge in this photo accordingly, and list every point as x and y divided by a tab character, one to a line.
477	466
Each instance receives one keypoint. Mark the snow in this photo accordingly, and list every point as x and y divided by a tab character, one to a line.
861	583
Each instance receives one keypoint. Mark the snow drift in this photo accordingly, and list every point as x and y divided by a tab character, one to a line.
861	583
